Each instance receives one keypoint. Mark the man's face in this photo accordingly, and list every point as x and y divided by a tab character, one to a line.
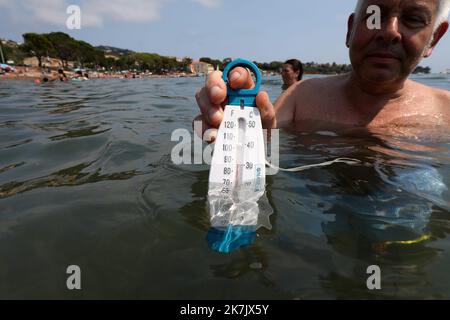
391	53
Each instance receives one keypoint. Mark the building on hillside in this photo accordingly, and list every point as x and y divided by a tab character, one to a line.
48	62
111	56
9	43
177	59
31	62
199	67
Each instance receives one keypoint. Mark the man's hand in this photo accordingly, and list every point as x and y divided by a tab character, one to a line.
211	100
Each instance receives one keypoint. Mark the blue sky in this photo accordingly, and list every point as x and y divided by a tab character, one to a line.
258	30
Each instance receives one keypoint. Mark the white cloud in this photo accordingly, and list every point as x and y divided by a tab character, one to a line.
93	12
209	3
47	11
122	10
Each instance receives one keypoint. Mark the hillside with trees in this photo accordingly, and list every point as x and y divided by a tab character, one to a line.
61	46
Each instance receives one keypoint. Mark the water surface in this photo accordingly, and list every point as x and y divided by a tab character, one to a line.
86	179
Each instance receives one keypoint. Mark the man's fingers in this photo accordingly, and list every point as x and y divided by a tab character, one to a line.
240	78
195	125
213	95
216	88
203	129
210	135
212	113
266	109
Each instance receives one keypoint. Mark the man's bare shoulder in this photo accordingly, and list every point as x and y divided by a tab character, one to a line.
434	92
444	101
316	98
317	89
438	99
443	96
319	82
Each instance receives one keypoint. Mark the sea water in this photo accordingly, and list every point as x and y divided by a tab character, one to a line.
86	179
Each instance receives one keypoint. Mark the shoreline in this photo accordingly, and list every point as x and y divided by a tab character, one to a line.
35	73
7	77
31	76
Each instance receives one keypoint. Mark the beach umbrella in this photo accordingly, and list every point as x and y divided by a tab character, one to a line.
6	67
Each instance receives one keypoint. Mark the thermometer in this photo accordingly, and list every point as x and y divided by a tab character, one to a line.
237	174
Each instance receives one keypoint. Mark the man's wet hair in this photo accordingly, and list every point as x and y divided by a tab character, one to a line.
296	66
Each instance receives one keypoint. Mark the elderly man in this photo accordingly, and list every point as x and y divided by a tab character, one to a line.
377	93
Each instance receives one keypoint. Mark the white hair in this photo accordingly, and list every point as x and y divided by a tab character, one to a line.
442	14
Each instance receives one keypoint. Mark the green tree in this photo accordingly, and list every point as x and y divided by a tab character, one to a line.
37	45
186	63
275	66
87	55
421	69
65	46
13	53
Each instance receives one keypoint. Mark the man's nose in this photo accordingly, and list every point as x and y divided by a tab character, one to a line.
390	32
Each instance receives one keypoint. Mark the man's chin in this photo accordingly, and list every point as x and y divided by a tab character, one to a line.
381	76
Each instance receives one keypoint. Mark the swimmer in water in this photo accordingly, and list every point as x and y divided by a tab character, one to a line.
291	72
61	75
376	93
79	76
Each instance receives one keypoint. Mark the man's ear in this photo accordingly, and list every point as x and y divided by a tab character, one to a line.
350	22
438	34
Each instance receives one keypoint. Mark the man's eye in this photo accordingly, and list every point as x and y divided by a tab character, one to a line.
414	21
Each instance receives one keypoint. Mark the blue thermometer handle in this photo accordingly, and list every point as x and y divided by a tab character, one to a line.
246	97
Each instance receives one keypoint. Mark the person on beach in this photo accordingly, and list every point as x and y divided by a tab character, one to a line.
291	72
376	93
